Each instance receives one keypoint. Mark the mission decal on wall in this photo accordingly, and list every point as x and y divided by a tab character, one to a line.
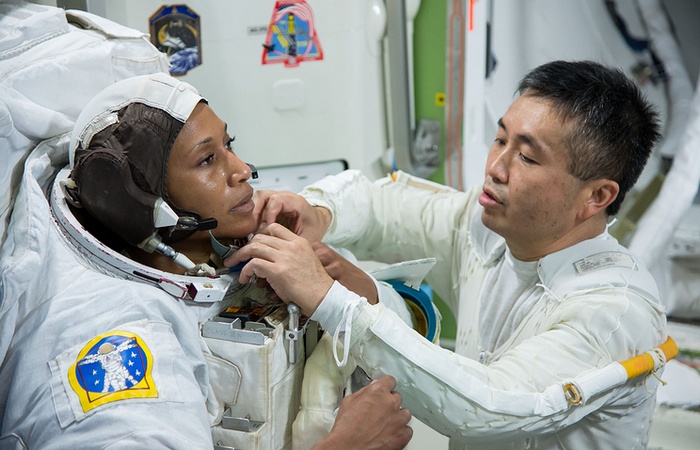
175	31
291	37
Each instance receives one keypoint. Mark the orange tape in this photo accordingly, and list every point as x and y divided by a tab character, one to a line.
644	363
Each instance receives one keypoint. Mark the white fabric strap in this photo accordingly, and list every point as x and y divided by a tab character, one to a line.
346	326
336	313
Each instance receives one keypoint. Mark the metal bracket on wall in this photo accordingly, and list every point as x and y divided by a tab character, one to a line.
425	154
415	151
399	85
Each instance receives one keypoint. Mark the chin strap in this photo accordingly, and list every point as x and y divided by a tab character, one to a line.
224	251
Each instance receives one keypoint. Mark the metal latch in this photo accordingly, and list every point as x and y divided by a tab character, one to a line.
254	333
239	423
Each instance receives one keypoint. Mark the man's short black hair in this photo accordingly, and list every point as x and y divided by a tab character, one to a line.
612	127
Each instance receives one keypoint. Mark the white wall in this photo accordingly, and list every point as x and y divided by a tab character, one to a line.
318	111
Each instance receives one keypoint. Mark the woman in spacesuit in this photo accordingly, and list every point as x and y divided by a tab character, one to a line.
124	344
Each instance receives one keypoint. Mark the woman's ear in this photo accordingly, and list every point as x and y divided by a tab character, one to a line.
597	195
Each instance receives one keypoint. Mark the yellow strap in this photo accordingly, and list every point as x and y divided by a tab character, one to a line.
645	362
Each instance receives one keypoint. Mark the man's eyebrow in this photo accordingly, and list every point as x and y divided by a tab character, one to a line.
525	138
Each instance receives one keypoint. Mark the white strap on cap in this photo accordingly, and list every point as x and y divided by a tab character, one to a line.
158	90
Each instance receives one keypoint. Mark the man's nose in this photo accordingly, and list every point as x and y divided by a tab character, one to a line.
497	166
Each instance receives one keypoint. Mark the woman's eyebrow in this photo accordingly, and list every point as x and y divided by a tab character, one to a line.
204	141
208	139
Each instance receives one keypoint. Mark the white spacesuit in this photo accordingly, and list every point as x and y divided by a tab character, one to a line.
39	46
508	383
116	353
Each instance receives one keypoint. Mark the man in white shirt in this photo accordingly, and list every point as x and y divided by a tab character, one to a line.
544	296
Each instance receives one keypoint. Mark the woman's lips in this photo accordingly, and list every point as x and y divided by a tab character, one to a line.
245	206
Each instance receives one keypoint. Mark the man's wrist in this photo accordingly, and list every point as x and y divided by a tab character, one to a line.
333	441
324	216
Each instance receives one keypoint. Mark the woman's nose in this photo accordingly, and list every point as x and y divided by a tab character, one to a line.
238	170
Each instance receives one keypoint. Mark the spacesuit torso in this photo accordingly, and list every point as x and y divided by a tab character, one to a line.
103	361
589	305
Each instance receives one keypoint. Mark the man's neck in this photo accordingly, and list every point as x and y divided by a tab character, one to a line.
534	250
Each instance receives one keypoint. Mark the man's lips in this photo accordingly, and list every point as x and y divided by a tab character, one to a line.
488	198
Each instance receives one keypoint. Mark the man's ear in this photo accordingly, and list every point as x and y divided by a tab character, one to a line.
597	195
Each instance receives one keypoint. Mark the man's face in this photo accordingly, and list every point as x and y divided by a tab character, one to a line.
528	196
205	176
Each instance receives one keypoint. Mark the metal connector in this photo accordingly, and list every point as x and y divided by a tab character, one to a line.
294	332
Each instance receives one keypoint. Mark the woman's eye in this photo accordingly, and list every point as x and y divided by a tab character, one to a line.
208	160
229	143
499	141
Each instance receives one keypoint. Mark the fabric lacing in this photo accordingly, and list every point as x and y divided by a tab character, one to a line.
345	327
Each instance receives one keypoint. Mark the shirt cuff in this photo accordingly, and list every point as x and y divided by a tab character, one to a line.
329	313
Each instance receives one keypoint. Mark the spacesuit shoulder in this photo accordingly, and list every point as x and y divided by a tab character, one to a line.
594	264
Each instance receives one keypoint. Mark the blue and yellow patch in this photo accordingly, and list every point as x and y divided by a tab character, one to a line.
112	366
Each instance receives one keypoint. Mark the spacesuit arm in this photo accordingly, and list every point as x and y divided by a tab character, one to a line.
398	219
518	393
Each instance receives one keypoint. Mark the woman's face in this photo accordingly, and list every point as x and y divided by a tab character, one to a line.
205	176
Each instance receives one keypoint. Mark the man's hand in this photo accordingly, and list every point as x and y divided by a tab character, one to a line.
371	418
289	265
292	211
345	272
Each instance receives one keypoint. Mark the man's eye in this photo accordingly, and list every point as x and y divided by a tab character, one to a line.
499	141
527	160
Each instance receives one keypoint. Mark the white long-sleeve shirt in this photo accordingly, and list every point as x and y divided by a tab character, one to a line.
583	308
